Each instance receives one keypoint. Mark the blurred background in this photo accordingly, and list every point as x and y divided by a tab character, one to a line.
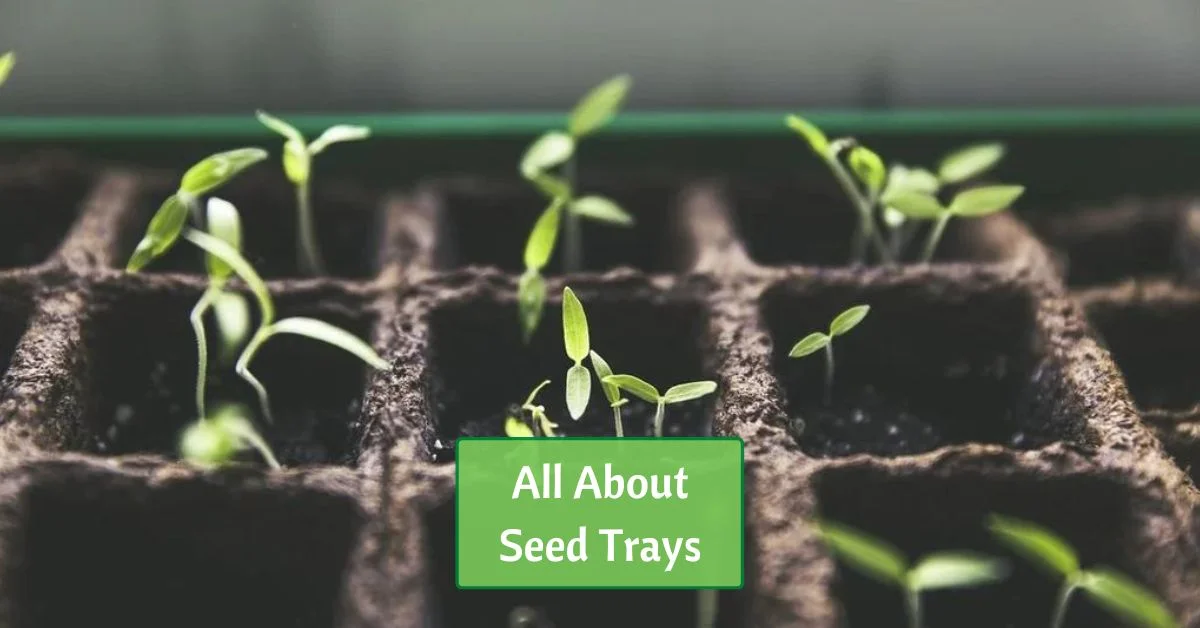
227	56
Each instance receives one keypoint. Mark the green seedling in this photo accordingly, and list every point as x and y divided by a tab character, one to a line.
881	561
7	61
611	392
972	203
531	289
557	149
298	156
842	323
214	441
1114	591
538	423
575	340
643	390
969	162
169	221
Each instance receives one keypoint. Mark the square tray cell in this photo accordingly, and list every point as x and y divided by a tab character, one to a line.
99	550
347	218
923	512
39	200
484	223
140	380
481	367
939	360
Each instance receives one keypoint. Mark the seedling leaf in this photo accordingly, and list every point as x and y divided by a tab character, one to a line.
224	224
636	386
540	245
1035	543
297	163
868	167
969	162
516	428
232	314
336	336
205	444
552	187
601	209
904	179
336	134
599	105
869	555
1127	599
288	131
217	169
7	61
531	300
809	344
913	204
848	320
575	327
546	152
947	570
985	200
815	138
688	391
579	390
161	233
603	370
234	259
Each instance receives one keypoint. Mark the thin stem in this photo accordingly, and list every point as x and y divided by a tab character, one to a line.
573	228
617	422
829	373
934	235
193	205
242	368
866	221
197	318
308	252
912	598
658	418
264	450
706	608
1060	605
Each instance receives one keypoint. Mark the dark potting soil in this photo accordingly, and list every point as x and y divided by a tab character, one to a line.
39	199
1155	345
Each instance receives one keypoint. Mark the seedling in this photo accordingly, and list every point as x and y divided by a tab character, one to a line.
1112	590
555	149
297	165
214	441
538	423
611	392
531	289
842	323
972	203
7	61
881	561
168	222
643	390
575	339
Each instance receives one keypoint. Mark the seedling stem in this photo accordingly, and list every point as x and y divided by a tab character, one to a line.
573	236
308	252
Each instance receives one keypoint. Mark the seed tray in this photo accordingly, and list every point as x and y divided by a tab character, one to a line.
1002	392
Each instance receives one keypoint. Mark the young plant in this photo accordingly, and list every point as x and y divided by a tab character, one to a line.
611	392
881	561
168	222
7	61
642	389
215	440
575	340
972	203
297	165
538	423
531	289
1117	593
555	149
842	323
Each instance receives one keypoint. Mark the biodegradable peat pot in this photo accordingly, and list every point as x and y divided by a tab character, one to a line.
1000	392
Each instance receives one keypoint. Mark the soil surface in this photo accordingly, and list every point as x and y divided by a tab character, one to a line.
39	200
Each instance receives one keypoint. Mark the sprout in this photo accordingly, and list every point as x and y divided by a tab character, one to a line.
214	441
531	290
168	222
297	165
842	323
973	203
941	570
1115	592
969	162
575	340
555	149
7	61
611	391
642	389
538	423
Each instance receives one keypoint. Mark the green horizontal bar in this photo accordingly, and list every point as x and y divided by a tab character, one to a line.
689	123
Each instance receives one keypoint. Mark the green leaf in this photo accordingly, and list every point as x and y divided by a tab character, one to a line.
953	570
815	138
599	105
602	370
297	163
865	553
7	61
516	428
904	179
277	125
1036	544
337	134
336	336
546	152
809	344
635	385
893	218
232	314
985	200
225	225
217	169
575	327
969	162
234	259
915	205
579	390
540	245
1127	599
552	187
689	391
206	444
868	167
161	233
531	300
848	319
601	209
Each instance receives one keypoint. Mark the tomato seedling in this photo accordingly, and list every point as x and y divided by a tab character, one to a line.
841	324
538	424
643	390
214	441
